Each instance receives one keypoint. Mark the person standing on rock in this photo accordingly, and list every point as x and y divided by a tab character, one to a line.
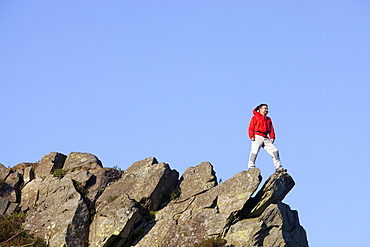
262	133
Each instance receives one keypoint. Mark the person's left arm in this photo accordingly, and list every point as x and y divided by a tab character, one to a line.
272	132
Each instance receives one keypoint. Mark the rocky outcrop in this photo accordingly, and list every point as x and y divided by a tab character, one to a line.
278	225
145	185
50	163
74	201
4	172
146	182
82	160
10	187
58	213
196	180
10	184
190	220
60	202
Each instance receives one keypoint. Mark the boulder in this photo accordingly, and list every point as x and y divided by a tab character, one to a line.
9	188
82	161
277	226
49	163
92	183
28	174
187	222
280	222
196	180
146	183
115	222
30	194
4	172
275	189
59	214
26	170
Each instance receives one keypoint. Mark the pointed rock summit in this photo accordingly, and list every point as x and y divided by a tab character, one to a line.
74	201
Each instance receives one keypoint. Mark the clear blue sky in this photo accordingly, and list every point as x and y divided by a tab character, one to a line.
127	80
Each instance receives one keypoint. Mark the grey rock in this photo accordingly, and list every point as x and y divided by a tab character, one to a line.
82	177
91	183
50	163
145	181
96	206
58	214
114	222
278	226
9	188
30	193
4	172
82	161
275	189
28	174
85	170
242	232
12	207
26	170
280	222
187	222
4	204
101	178
196	180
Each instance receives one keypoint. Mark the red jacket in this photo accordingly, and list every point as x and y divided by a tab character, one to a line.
261	125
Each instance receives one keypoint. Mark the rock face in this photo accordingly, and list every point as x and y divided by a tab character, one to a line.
278	225
59	214
74	201
193	219
145	185
50	163
196	180
80	160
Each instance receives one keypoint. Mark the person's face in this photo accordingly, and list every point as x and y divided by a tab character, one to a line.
264	110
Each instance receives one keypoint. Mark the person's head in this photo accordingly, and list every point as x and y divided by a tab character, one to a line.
263	109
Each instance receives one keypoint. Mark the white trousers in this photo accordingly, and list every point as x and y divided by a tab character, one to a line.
265	143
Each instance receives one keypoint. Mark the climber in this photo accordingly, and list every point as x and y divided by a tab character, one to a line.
261	132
